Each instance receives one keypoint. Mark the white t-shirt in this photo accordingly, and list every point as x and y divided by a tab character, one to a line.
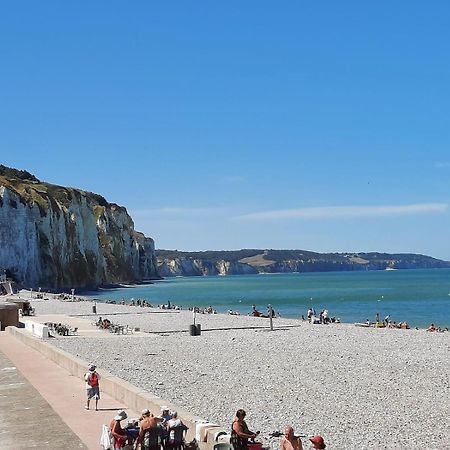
172	423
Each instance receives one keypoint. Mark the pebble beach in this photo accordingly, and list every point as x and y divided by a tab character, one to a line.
359	388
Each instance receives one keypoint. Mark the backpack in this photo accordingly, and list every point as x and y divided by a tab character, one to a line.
93	380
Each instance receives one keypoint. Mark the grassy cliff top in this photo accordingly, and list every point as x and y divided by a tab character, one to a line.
31	190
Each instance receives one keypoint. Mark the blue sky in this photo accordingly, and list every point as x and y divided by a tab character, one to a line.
225	125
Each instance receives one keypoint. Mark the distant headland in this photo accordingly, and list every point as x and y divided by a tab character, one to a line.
253	261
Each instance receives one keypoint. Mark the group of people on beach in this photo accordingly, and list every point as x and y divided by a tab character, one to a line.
208	310
241	435
256	313
387	322
167	429
106	324
322	318
149	432
432	328
140	303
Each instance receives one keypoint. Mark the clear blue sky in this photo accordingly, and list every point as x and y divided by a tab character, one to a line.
239	124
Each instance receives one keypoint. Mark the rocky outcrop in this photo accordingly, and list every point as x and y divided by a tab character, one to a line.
175	263
57	237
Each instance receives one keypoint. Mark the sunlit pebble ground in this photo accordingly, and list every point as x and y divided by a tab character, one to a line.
360	388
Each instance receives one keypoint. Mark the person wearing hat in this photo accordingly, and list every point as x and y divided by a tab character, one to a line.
318	442
92	386
165	414
119	434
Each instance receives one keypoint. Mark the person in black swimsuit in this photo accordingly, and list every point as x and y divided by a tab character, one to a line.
240	434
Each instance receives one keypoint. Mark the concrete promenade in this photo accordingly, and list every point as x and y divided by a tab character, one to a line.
35	391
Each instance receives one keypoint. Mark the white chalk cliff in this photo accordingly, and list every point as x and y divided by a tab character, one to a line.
57	237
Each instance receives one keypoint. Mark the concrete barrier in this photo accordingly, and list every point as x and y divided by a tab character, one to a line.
36	328
133	397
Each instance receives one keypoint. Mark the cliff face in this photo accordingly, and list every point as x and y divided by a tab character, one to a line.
57	237
199	267
174	263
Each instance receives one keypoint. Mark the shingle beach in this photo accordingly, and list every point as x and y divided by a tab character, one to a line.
359	388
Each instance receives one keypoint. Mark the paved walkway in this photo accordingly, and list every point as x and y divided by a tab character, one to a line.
61	394
28	421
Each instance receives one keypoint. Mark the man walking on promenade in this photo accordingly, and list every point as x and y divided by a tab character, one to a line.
92	387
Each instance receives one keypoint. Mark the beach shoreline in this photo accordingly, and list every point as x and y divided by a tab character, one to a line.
419	297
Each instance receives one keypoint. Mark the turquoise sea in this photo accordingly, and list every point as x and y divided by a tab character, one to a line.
417	296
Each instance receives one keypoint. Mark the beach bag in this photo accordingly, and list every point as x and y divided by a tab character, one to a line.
254	446
193	445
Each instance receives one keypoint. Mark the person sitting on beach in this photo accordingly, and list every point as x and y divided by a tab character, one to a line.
431	328
310	314
240	434
290	441
119	434
255	312
404	325
106	323
165	414
147	421
314	320
175	427
318	442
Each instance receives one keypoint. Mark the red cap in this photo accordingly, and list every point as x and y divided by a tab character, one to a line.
318	442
